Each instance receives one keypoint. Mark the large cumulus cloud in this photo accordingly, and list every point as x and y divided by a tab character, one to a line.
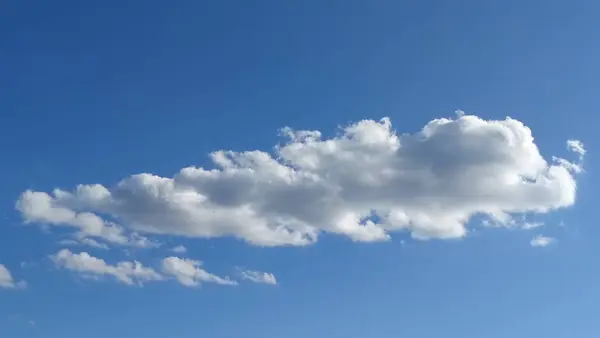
365	183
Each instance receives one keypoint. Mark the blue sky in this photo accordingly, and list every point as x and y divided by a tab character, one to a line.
94	93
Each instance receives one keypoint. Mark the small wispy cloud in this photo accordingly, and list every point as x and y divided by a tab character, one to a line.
258	276
179	249
577	147
542	241
27	264
85	242
189	272
531	225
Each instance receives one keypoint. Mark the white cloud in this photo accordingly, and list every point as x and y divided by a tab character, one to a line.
576	146
189	272
179	249
532	225
258	277
512	222
91	267
571	166
7	281
93	243
84	241
186	271
40	207
365	184
541	241
68	242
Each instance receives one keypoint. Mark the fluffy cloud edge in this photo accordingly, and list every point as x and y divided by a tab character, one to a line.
7	280
37	208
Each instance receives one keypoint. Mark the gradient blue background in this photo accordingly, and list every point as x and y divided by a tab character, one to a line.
91	92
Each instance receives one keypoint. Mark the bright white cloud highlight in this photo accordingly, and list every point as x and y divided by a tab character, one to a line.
365	183
542	241
7	281
258	277
91	267
189	272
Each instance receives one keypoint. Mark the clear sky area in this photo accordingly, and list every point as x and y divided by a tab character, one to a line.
335	169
